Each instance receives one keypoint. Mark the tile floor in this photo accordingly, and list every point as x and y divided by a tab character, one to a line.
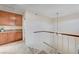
18	47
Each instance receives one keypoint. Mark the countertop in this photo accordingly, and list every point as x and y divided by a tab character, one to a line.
16	30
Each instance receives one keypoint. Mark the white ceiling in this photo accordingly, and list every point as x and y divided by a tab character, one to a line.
49	10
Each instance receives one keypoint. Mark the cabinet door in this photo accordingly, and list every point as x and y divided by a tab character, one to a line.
3	38
7	18
12	19
18	35
4	18
11	36
18	20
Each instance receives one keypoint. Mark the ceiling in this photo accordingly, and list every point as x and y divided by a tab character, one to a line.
49	10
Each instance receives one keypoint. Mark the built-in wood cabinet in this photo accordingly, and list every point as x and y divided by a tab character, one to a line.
11	19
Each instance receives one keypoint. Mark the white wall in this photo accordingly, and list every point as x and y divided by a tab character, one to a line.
34	23
70	26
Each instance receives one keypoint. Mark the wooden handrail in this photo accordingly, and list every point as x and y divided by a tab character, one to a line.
57	33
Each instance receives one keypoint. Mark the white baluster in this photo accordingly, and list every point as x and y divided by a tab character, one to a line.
71	45
65	44
60	43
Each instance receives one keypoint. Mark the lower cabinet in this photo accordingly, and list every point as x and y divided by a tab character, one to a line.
3	38
18	36
14	36
10	37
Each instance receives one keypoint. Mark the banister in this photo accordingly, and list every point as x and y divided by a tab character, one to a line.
49	45
52	47
58	33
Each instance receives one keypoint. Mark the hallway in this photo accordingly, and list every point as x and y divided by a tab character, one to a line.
39	29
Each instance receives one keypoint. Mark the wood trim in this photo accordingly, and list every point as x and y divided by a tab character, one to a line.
57	33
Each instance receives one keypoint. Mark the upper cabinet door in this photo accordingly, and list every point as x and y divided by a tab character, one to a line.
7	18
12	19
19	20
4	18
